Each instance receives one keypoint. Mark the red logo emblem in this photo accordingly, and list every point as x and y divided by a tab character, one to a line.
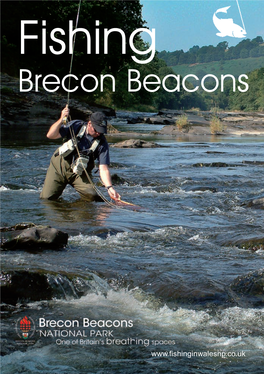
25	327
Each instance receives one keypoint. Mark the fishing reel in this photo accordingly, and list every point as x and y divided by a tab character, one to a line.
65	120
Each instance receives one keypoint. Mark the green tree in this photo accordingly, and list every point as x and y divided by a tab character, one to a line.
222	46
165	99
126	15
194	49
258	40
142	97
254	52
244	53
253	99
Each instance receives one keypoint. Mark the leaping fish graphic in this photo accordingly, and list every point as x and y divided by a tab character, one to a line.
227	27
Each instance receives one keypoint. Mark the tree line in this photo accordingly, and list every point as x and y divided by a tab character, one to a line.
126	15
246	48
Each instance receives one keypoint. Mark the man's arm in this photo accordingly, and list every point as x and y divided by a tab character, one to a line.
106	179
54	131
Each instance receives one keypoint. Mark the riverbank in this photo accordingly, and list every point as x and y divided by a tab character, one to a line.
39	108
42	108
199	122
232	123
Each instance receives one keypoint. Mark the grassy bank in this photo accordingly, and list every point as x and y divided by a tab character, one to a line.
234	67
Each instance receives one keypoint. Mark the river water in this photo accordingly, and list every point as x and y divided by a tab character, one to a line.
164	271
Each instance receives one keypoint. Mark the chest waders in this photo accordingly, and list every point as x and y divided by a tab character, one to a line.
60	171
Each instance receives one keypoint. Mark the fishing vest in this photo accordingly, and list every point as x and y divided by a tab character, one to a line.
71	145
81	162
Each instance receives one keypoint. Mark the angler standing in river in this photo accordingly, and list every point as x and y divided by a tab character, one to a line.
73	162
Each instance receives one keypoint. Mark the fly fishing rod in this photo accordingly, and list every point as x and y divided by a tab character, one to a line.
65	119
74	39
120	204
240	15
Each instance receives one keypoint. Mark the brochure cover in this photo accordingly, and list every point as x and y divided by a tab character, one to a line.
132	198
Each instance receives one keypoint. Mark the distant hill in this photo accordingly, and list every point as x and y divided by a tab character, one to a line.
246	48
234	67
246	56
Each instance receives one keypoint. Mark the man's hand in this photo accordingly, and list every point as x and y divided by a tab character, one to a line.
106	179
65	113
113	194
54	131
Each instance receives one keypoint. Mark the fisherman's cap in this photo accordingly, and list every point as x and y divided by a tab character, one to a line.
99	122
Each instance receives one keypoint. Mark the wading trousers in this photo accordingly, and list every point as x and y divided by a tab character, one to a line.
59	174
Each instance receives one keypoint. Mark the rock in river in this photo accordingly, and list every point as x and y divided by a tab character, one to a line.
34	238
248	289
135	143
253	243
256	203
24	286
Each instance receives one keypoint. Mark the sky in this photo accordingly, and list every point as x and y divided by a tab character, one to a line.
181	24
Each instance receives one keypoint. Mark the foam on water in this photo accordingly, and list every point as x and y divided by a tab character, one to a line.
199	330
228	327
37	360
20	190
125	240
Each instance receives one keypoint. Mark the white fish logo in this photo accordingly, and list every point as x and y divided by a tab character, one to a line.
227	27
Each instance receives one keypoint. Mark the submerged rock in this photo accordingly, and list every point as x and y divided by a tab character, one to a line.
24	286
202	189
18	226
136	143
256	203
249	289
252	244
105	233
117	180
253	162
212	165
34	238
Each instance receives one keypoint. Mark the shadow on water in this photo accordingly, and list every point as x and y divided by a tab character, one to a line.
79	216
24	136
76	216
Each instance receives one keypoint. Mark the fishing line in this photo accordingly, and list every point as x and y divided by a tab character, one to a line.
88	176
240	15
74	38
65	119
114	205
73	134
